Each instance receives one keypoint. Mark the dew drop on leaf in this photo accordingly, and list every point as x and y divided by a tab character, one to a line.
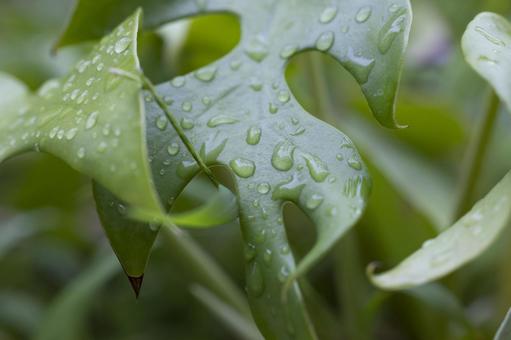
187	123
253	135
263	188
161	123
325	41
173	149
317	168
178	82
221	120
314	201
288	51
91	120
122	44
206	74
282	157
244	168
391	29
328	14
363	14
359	66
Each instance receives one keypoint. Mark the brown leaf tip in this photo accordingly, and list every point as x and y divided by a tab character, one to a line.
136	283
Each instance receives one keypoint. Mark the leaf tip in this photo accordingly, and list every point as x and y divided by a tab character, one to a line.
136	283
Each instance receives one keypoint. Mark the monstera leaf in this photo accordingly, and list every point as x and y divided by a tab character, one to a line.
240	114
487	48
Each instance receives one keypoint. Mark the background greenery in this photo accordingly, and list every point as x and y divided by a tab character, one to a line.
51	241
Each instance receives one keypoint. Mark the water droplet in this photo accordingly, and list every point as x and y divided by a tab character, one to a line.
187	123
317	168
267	256
235	65
221	120
178	82
206	74
256	84
284	250
363	14
325	41
273	108
244	168
187	106
329	14
122	44
91	120
263	188
168	100
287	51
360	67
257	49
102	147
255	280
355	164
284	96
428	243
282	157
345	28
173	149
260	235
289	190
253	135
71	133
206	100
314	201
80	153
161	122
249	252
299	131
490	37
391	29
283	274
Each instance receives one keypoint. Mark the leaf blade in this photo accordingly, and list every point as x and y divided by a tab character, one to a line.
464	241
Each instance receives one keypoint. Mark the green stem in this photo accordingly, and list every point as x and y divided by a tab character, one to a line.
204	269
161	103
476	153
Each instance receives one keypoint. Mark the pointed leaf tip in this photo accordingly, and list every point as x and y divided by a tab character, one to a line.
136	283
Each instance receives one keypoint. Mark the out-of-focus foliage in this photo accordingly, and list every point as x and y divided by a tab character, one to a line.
441	100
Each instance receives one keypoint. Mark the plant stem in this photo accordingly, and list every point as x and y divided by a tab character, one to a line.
476	153
161	103
204	268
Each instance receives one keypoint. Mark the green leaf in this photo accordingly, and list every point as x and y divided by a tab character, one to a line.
487	48
371	42
65	317
504	332
432	192
464	241
240	113
91	119
220	209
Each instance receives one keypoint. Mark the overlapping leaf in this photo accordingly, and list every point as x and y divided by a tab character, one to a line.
487	48
239	113
91	119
